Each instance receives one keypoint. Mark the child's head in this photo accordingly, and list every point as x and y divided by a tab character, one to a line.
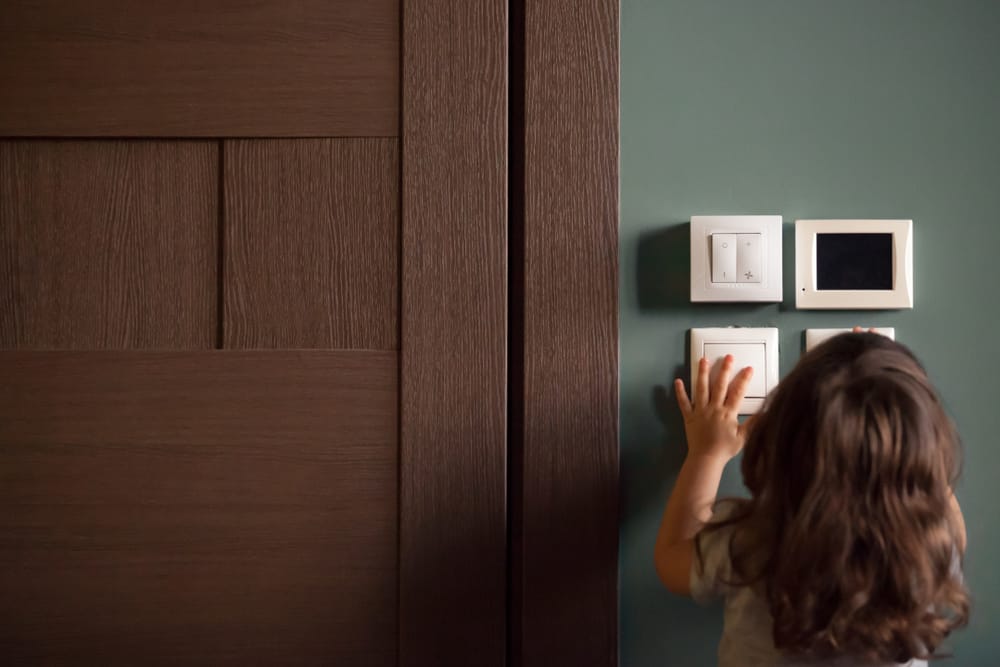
851	526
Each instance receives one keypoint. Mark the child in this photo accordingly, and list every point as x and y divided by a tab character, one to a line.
848	550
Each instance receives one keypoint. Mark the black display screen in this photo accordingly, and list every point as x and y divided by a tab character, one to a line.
854	261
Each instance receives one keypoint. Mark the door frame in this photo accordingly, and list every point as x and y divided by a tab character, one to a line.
509	434
564	441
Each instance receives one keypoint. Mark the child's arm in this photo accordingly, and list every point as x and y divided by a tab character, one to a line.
714	437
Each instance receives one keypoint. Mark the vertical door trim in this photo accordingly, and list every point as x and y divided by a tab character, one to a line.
564	349
452	550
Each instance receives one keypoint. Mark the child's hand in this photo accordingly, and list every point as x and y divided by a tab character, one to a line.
710	420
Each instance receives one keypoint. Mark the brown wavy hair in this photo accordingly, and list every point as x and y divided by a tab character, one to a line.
852	532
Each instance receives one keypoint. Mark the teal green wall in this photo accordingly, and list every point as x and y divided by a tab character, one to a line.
808	109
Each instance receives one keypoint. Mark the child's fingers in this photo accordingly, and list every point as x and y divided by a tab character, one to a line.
718	396
738	388
701	384
683	402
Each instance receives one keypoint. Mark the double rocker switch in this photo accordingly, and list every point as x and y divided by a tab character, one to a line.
736	258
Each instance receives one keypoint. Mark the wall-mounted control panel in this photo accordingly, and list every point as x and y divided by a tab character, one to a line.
854	264
815	337
736	258
750	347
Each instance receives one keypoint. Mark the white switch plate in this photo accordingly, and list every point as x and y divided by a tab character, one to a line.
816	336
704	289
716	343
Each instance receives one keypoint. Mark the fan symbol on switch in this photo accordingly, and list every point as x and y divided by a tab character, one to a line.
748	275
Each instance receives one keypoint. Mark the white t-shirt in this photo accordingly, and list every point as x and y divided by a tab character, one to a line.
746	633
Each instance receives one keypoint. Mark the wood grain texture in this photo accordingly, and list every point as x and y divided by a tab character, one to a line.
312	243
565	400
190	68
453	416
108	244
199	508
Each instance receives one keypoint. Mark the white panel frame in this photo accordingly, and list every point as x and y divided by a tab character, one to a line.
768	336
816	336
808	297
702	287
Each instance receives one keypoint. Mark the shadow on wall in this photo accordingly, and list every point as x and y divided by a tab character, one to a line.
663	268
645	465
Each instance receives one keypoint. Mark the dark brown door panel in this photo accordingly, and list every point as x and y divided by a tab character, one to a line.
112	68
108	244
210	508
311	243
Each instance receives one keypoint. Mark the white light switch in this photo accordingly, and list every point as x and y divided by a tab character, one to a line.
757	348
744	354
724	258
736	258
748	263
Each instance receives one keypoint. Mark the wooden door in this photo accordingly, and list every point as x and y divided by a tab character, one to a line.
252	332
